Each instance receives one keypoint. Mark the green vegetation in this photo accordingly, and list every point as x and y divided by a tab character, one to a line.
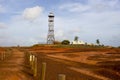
76	38
66	42
98	42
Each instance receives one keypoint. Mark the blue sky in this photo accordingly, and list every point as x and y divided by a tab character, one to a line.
25	22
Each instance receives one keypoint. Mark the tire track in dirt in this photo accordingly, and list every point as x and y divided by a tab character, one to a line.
13	68
55	67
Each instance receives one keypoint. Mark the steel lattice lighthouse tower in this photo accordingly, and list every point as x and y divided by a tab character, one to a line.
50	37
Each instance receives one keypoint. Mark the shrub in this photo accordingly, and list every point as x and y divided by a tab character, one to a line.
65	42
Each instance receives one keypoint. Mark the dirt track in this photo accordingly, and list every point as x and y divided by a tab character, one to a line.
13	68
79	64
74	63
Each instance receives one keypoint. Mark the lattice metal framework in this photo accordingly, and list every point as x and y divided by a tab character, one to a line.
50	37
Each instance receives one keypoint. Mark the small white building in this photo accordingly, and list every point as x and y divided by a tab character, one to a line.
78	42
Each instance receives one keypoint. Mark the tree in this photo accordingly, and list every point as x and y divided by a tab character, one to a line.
65	42
98	42
76	38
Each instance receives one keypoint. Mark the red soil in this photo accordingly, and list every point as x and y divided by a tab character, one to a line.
11	68
77	63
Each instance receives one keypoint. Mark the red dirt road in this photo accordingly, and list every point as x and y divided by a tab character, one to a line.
76	64
13	68
79	64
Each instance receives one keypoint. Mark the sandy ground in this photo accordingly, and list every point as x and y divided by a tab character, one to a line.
76	64
80	65
12	68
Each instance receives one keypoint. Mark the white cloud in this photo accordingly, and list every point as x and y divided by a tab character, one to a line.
89	27
94	19
75	7
104	5
23	32
2	9
92	6
2	25
32	13
59	34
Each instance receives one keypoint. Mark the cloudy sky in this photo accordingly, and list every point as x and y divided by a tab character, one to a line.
25	22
